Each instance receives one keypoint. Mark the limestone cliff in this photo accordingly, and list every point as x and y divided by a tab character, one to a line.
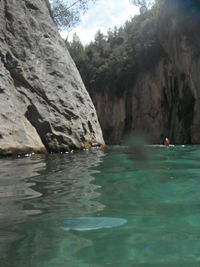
43	102
165	98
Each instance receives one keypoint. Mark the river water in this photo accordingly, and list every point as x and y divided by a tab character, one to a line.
114	208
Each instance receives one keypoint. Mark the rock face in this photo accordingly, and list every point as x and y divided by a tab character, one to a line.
43	102
165	99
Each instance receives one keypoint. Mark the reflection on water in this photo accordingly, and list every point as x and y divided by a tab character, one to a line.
158	198
52	186
52	180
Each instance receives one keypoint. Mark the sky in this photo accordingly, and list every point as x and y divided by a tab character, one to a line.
102	15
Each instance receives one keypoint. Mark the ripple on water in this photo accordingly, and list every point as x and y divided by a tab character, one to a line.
141	213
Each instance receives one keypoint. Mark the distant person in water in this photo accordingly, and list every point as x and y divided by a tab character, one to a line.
167	141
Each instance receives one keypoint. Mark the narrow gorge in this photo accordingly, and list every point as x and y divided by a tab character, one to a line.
165	98
146	75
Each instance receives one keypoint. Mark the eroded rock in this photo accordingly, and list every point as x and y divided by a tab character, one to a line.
43	101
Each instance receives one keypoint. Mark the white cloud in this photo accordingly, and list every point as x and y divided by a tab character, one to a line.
104	14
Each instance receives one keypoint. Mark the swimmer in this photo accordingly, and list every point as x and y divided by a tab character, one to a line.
167	142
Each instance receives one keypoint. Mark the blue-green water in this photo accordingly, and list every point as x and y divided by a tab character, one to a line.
101	209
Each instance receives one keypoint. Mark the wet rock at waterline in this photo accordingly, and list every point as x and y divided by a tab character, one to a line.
43	102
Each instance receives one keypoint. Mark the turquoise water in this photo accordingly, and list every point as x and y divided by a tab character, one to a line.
112	208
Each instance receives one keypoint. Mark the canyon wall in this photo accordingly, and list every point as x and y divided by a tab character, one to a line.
44	105
164	100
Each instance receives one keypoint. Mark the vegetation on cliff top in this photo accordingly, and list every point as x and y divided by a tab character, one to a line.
112	61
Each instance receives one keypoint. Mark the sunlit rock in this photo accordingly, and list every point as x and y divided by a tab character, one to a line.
43	101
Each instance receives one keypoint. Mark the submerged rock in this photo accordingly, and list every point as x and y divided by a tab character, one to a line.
43	102
92	223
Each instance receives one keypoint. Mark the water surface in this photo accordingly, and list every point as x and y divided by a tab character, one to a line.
101	209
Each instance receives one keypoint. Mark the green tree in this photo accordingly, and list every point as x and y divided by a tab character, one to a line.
100	43
66	13
143	5
112	61
76	48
